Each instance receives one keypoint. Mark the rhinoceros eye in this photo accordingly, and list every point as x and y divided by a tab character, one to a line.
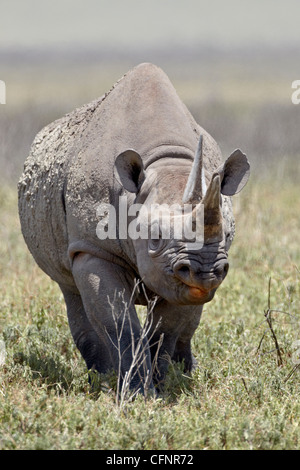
155	242
155	247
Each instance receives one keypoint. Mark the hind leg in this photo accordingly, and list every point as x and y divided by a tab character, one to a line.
95	353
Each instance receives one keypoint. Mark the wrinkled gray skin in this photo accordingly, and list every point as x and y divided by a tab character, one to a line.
138	140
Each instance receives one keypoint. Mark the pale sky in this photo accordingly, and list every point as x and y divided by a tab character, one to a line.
147	23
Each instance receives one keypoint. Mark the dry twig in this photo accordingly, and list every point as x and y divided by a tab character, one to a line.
268	317
139	350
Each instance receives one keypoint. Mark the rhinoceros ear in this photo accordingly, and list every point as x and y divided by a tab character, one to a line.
234	173
130	168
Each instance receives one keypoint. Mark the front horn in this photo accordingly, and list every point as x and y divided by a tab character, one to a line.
195	186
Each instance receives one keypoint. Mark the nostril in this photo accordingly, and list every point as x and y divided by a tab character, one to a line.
182	272
222	269
226	268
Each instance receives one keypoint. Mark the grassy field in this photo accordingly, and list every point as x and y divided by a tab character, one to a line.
238	398
244	393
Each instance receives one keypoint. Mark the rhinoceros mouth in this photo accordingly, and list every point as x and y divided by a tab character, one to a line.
202	288
191	294
198	292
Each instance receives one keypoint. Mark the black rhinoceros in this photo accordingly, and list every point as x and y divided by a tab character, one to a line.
137	146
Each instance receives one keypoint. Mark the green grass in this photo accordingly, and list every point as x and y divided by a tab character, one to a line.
238	397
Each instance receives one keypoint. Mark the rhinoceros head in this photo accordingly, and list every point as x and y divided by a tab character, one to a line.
185	222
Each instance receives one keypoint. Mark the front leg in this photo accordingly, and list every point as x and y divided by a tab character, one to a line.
177	324
106	291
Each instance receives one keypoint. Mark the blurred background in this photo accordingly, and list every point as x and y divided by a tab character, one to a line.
232	63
